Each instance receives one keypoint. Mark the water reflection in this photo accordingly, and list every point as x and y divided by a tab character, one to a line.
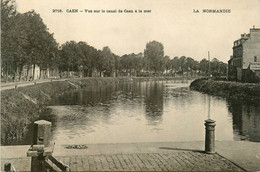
150	111
154	102
246	119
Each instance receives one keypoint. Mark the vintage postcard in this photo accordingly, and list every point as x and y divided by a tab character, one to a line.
130	85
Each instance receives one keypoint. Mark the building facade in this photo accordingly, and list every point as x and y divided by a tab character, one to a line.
244	65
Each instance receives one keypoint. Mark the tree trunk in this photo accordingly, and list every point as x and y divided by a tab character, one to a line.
45	74
84	73
14	77
87	73
20	75
40	77
16	73
90	72
20	72
6	74
72	71
60	73
33	72
27	73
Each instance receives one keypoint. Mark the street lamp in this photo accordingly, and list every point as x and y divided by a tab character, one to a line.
209	127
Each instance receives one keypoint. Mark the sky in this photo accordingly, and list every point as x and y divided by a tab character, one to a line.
171	22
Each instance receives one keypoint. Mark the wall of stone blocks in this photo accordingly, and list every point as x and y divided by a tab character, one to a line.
251	48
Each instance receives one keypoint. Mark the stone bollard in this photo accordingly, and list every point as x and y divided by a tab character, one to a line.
8	167
42	148
210	136
42	133
41	140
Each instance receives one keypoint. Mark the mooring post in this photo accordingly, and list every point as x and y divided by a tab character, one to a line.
210	136
41	139
8	167
42	148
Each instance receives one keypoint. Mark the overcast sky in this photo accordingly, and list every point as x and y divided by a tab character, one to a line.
171	22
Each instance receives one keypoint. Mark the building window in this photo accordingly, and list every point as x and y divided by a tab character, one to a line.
255	59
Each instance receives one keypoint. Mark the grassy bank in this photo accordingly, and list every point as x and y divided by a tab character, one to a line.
162	78
233	90
22	106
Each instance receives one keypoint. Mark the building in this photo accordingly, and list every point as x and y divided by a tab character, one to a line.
244	65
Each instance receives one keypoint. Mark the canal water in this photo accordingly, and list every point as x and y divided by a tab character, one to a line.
148	111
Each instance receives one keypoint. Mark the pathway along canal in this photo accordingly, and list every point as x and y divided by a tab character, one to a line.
148	111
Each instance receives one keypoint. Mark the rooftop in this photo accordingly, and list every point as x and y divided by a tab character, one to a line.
245	36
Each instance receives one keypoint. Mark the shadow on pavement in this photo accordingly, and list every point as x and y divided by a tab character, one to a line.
168	148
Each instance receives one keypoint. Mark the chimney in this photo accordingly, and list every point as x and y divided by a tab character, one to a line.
243	35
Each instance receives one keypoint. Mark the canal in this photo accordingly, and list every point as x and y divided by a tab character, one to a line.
148	111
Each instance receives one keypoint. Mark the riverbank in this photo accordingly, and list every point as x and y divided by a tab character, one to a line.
12	85
23	105
189	154
226	89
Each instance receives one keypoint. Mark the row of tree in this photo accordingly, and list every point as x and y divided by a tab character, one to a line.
86	60
27	43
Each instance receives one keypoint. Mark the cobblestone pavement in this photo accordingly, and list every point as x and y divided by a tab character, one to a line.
175	161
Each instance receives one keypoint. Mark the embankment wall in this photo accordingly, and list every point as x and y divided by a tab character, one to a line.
232	90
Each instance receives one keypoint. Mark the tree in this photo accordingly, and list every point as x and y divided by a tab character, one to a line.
118	65
191	65
175	63
25	41
204	66
41	44
154	52
132	63
183	64
108	61
223	68
8	47
218	68
163	63
35	44
49	55
69	57
168	65
86	58
138	63
125	62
